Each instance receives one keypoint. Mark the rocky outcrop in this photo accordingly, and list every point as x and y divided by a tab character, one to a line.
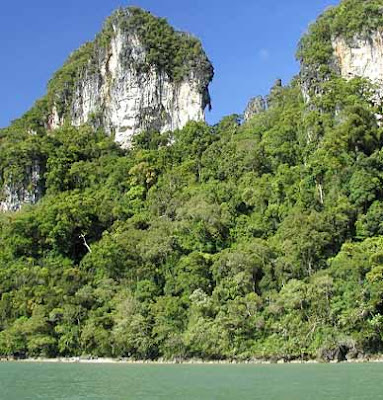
361	57
339	351
16	193
139	74
256	106
311	77
259	104
124	93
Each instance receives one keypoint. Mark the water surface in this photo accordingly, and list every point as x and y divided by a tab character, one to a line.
21	381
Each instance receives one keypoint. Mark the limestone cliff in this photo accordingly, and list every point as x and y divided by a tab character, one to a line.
361	57
138	75
29	190
259	104
345	41
255	106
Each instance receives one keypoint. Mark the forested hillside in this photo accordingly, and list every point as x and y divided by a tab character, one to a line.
233	241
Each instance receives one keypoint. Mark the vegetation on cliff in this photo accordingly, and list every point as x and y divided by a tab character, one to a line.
233	242
165	49
349	19
256	240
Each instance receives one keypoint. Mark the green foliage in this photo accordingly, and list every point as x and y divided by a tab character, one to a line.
350	19
175	53
261	240
230	242
166	49
61	87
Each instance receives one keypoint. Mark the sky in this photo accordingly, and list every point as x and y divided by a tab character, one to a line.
251	43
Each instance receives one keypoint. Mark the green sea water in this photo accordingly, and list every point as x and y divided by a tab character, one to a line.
21	381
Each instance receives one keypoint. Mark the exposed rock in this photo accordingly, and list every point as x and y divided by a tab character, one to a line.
16	193
340	351
311	77
139	74
274	92
260	104
120	92
277	83
256	106
362	57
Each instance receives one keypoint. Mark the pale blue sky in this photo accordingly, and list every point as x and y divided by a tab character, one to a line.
250	42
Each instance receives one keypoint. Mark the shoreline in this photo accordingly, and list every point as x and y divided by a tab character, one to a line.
101	360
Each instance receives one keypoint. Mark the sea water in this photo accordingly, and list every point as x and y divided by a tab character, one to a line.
64	381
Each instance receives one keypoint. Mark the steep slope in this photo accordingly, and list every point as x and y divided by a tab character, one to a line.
139	74
345	41
255	241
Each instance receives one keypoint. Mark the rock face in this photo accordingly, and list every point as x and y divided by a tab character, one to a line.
260	104
256	105
17	193
125	94
311	78
139	74
361	57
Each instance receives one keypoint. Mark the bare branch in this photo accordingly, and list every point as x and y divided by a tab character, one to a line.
82	236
